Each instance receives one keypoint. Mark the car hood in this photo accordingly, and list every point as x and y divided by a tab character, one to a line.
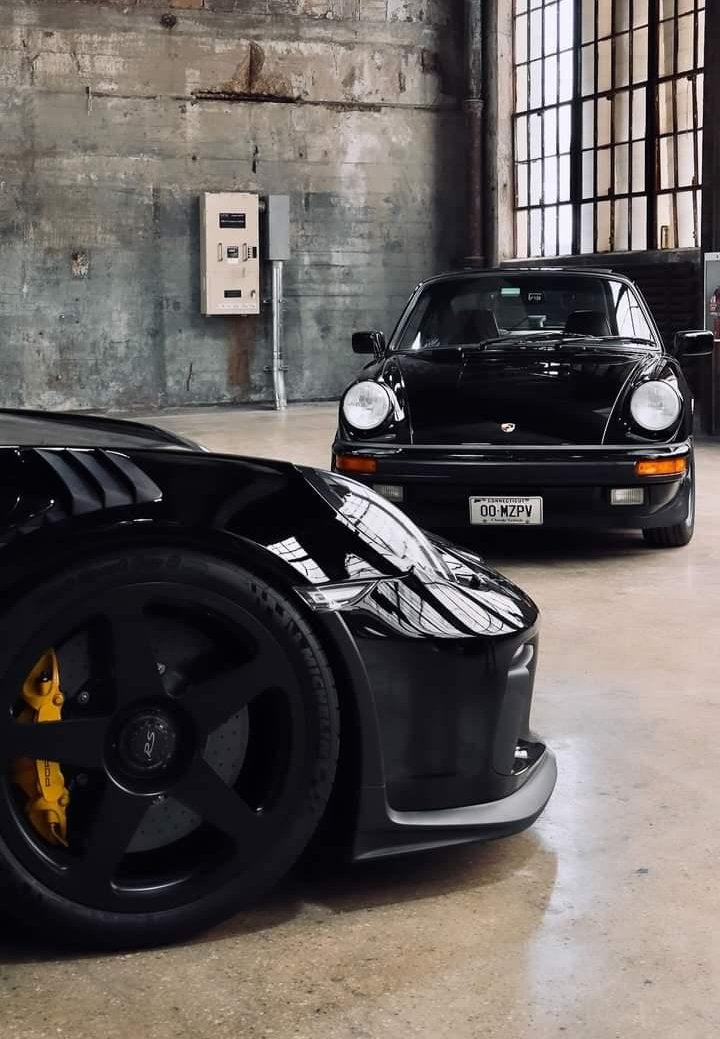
20	428
544	394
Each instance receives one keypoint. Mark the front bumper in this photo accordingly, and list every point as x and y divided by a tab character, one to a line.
388	832
573	481
450	668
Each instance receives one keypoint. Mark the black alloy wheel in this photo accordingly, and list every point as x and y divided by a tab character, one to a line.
679	534
198	742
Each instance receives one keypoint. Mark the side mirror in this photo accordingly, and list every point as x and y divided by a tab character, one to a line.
369	343
694	344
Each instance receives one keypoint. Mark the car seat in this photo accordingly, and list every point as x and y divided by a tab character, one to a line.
588	323
473	326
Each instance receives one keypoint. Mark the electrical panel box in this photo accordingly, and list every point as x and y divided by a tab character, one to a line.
278	227
712	294
230	252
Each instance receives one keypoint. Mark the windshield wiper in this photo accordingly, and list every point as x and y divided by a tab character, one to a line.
534	337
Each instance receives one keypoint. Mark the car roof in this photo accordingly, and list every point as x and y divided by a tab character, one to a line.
513	268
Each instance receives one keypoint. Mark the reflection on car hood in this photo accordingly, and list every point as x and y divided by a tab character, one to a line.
549	393
20	428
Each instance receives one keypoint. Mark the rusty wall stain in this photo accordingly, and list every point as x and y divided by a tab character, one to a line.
244	332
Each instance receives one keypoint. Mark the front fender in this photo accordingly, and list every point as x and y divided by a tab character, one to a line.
622	429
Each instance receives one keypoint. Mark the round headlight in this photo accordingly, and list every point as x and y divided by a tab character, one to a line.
366	405
655	405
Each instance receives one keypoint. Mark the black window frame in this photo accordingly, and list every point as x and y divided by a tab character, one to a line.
633	205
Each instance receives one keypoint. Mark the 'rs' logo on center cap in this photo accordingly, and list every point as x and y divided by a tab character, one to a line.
507	427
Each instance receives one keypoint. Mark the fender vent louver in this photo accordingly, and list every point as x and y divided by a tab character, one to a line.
95	480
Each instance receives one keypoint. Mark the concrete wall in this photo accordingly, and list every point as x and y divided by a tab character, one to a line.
113	123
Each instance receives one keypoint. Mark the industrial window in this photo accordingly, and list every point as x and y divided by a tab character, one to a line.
608	124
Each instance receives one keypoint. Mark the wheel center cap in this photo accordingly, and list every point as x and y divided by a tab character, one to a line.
148	741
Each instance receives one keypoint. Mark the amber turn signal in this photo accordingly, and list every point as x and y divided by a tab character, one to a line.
661	467
355	464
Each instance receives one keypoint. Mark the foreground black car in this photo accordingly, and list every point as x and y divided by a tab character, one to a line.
207	661
526	397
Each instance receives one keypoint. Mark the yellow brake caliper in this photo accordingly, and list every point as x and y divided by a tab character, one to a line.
42	781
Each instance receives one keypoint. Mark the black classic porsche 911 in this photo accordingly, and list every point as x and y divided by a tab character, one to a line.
526	397
207	661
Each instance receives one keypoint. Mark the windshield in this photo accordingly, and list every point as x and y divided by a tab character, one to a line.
514	309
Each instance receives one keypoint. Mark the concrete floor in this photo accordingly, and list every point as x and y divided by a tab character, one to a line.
600	922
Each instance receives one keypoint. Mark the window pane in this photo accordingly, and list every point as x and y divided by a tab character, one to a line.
551	80
565	230
640	12
521	234
550	132
639	223
603	227
536	183
588	178
622	60
588	124
665	222
521	139
622	15
665	107
685	147
686	43
535	136
621	231
536	34
604	113
567	24
551	181
687	238
622	169
564	178
566	76
685	104
565	119
603	172
536	84
604	63
550	236
638	172
551	35
587	244
535	232
622	116
588	70
521	88
521	183
639	114
640	55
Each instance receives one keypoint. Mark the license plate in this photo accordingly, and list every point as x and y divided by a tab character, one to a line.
515	511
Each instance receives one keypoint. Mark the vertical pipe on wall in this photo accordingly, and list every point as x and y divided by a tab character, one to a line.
711	177
278	368
473	105
489	189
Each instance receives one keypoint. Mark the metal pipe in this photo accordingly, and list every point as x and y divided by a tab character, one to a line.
473	105
278	368
490	190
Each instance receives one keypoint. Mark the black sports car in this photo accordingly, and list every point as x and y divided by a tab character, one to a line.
526	396
207	660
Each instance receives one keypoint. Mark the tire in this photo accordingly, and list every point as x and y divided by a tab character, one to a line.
679	534
203	753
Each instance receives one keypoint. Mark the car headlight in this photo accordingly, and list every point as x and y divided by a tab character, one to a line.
655	405
366	405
